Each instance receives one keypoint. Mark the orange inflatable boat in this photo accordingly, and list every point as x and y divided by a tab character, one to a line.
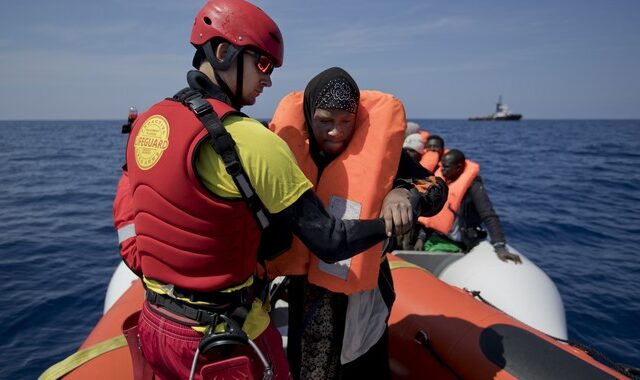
437	331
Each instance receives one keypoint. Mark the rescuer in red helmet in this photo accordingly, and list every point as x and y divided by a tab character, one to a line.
214	193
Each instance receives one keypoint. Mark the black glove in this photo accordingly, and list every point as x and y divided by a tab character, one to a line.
435	197
503	253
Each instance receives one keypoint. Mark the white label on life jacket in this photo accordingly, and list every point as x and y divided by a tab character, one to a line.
344	209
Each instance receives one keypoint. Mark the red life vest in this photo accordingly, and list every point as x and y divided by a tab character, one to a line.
185	235
443	221
123	222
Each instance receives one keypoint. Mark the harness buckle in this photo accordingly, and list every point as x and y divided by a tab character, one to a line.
233	167
207	317
199	105
152	297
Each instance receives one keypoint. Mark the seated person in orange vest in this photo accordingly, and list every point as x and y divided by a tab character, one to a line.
457	227
412	127
435	143
349	144
413	146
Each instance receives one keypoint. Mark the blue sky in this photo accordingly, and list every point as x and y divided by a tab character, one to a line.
72	59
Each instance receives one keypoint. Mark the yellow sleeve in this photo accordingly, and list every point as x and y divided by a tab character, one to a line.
267	160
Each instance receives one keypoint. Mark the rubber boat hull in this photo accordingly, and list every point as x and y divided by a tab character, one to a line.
436	331
443	332
115	364
523	291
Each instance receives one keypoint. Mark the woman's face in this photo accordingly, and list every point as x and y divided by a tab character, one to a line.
333	129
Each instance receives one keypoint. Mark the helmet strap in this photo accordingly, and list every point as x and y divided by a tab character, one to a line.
232	54
236	100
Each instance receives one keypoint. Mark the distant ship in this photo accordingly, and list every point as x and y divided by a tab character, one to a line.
502	113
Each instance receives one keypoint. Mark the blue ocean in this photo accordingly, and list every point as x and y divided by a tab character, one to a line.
567	192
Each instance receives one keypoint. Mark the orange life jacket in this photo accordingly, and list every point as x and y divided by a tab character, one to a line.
430	160
352	186
443	221
425	136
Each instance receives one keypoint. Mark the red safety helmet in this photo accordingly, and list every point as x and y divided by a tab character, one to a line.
240	23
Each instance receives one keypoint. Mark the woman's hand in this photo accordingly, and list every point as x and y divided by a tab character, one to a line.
397	212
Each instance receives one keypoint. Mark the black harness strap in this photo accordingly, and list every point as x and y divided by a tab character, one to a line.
204	317
223	144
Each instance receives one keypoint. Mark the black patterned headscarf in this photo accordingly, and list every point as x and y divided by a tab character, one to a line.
333	88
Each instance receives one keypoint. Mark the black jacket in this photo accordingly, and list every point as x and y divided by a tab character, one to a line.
476	209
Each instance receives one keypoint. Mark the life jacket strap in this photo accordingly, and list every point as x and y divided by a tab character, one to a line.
222	143
202	316
242	296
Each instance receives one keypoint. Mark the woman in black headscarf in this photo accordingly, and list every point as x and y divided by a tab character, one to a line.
334	89
331	93
317	315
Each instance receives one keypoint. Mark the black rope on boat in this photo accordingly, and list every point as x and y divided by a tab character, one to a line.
476	294
627	370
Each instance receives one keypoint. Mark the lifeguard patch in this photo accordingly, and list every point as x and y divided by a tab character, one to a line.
151	141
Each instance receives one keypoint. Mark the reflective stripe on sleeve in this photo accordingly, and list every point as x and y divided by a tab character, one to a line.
126	232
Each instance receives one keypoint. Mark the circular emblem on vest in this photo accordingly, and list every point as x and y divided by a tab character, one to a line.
151	141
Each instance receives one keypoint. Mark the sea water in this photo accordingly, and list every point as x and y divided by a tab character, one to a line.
567	193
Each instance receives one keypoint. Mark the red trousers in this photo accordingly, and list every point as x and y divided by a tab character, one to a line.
169	348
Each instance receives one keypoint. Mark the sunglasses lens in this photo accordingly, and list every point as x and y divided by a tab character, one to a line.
264	64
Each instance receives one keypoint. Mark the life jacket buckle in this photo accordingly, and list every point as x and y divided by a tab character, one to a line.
207	317
199	105
152	297
233	167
